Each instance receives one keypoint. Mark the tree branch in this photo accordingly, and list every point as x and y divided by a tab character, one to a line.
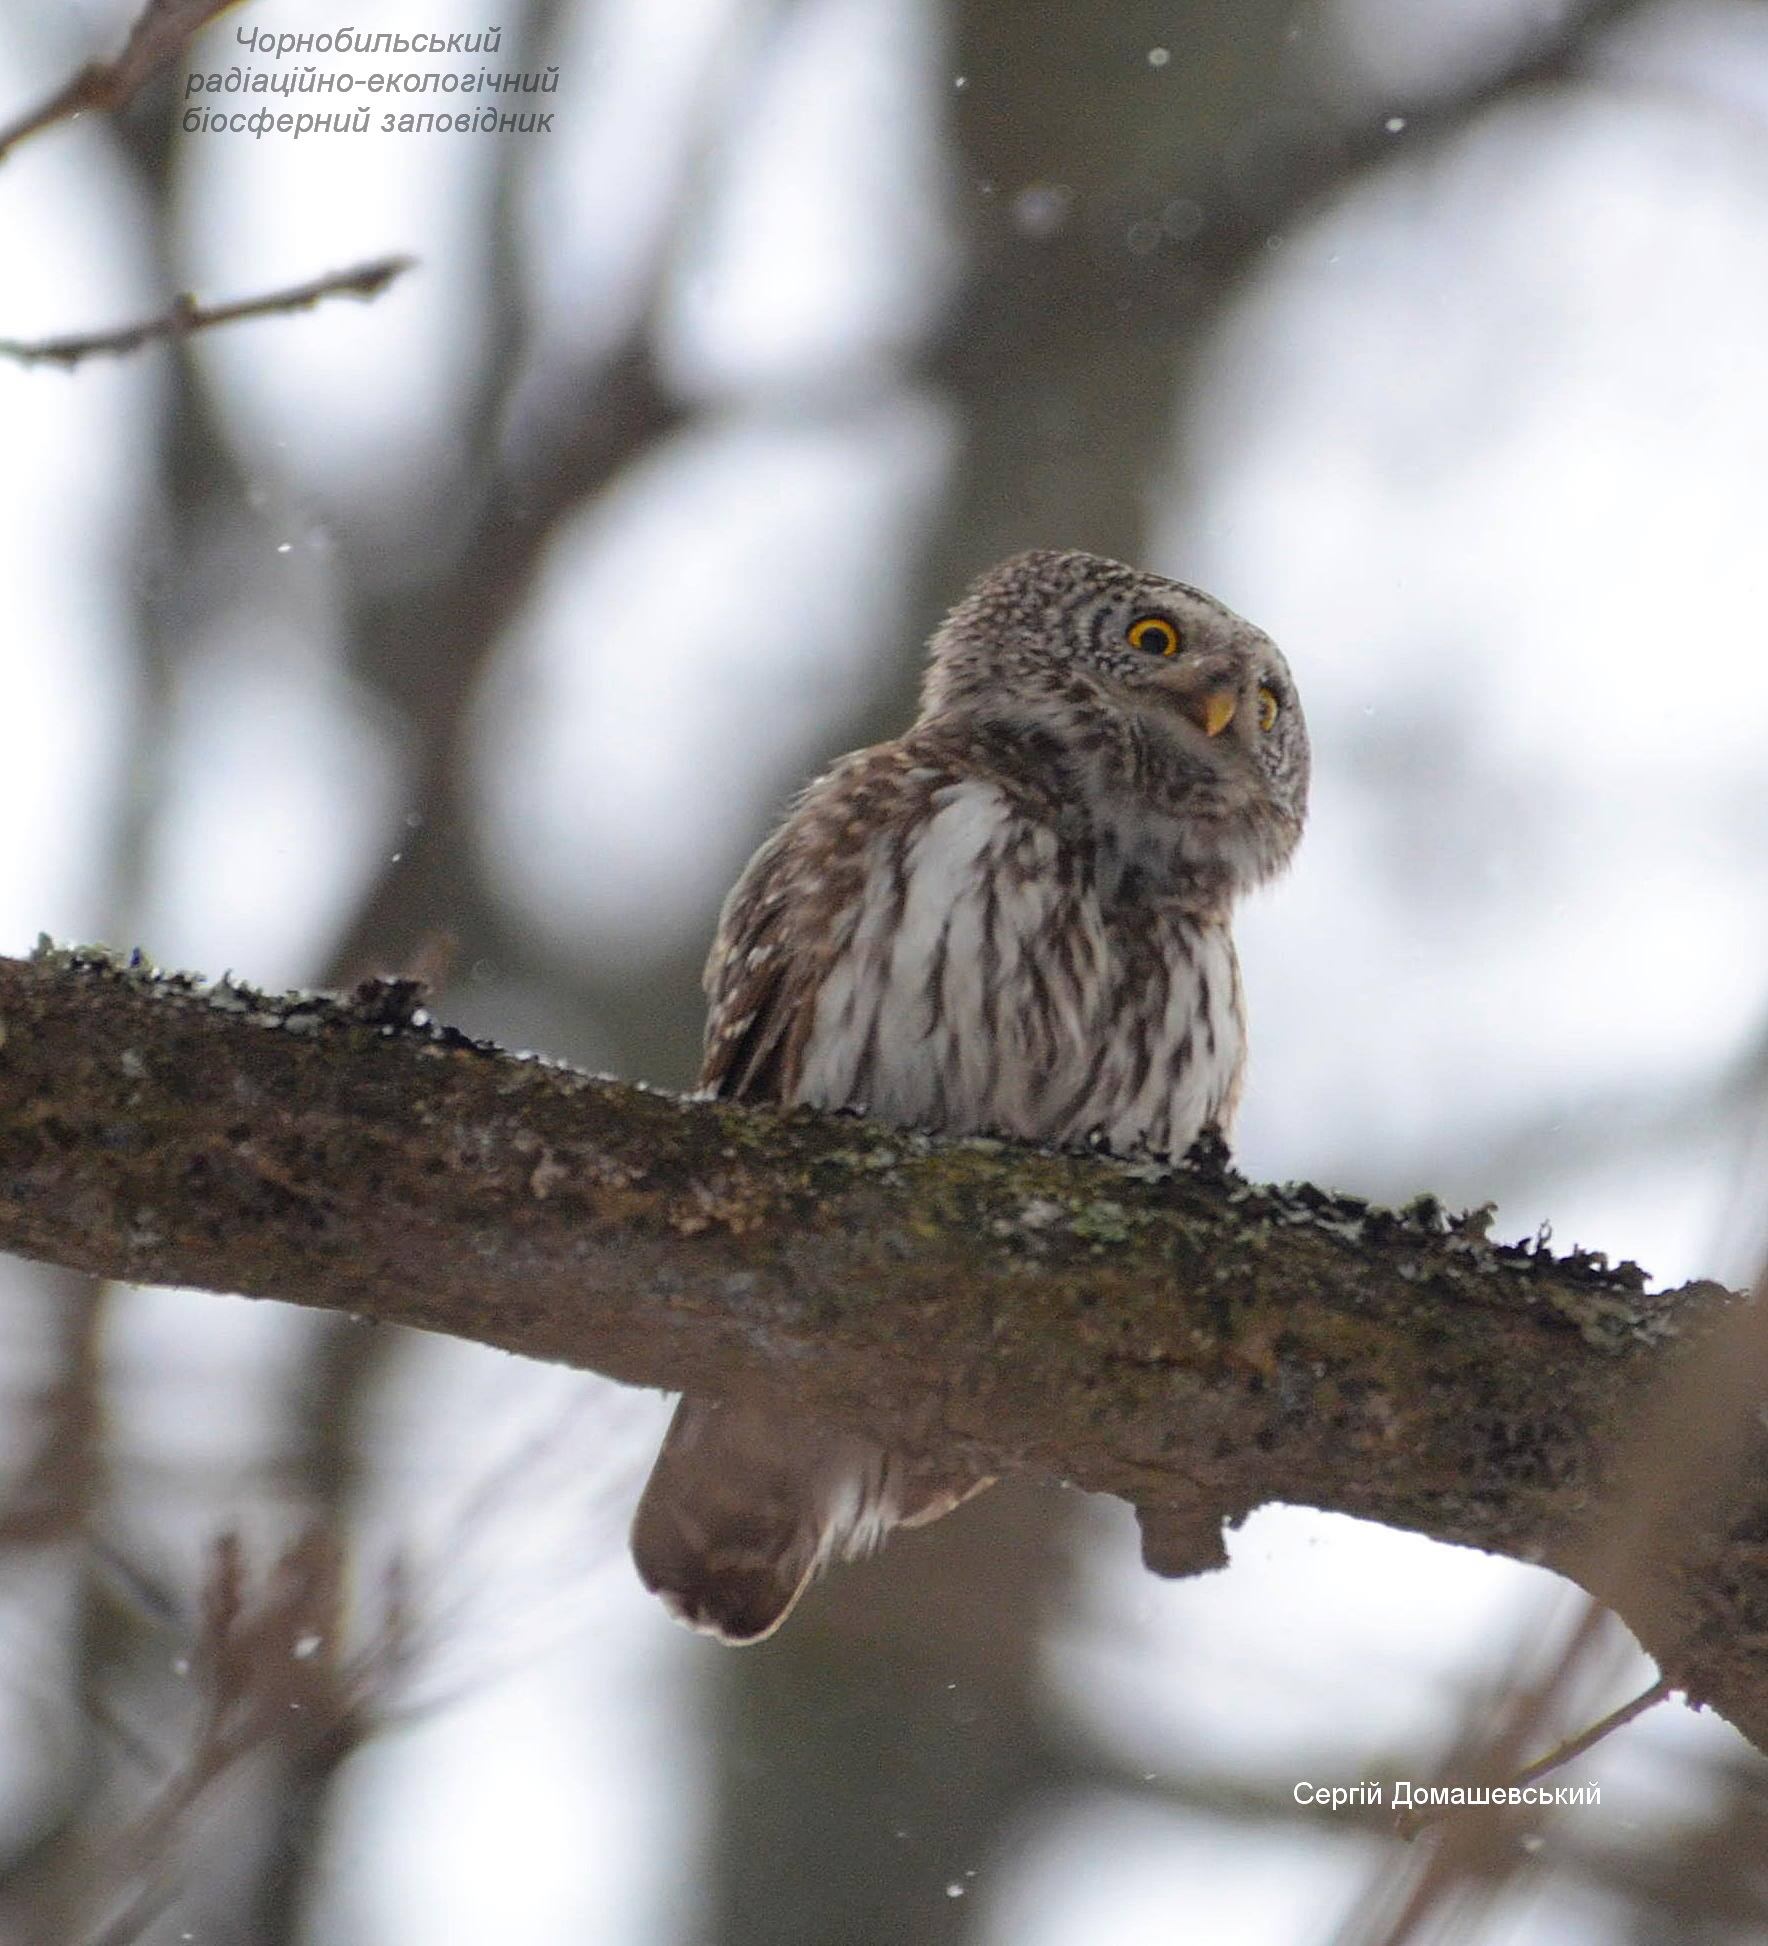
1182	1338
160	32
187	315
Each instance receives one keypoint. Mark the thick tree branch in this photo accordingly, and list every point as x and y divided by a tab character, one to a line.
187	315
1183	1338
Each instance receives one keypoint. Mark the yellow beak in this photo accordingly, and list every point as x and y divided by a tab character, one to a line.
1215	710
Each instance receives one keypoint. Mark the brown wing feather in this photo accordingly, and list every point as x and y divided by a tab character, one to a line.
742	1508
775	940
760	991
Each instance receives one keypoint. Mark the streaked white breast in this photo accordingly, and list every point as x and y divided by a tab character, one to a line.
980	985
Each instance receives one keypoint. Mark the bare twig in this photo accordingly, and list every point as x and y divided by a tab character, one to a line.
273	1670
1675	1468
160	32
1604	1727
187	315
1560	1755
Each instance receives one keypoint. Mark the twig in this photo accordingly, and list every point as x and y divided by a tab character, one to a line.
187	315
1604	1726
159	34
1690	1449
1562	1754
272	1673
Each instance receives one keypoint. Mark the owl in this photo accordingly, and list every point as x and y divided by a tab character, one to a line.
1013	920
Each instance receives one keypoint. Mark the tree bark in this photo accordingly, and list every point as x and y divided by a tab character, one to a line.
1192	1342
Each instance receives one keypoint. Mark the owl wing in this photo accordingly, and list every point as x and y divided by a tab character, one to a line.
788	918
761	982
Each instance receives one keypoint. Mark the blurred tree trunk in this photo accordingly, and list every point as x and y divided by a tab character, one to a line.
1084	174
887	1746
871	1760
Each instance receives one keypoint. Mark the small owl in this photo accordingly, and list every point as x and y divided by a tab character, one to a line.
1013	920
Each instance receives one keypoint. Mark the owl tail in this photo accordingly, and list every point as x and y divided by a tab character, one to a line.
742	1508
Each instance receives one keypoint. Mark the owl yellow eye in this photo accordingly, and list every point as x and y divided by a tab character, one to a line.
1155	634
1267	709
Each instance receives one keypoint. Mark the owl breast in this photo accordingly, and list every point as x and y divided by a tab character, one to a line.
979	981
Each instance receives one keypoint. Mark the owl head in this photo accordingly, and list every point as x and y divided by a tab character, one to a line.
1178	722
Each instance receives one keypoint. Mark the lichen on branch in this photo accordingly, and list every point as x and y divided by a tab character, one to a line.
1179	1336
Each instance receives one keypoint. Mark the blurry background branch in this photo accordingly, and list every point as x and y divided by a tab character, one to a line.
187	315
1185	1340
159	35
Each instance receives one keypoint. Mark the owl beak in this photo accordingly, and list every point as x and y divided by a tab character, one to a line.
1205	690
1213	711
